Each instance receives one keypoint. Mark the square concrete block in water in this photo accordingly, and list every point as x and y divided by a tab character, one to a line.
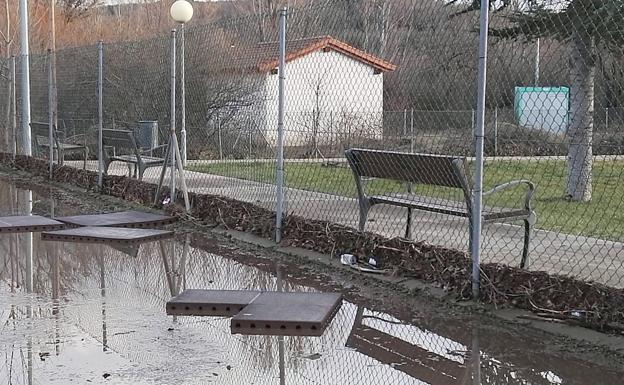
120	219
28	224
215	303
109	235
287	314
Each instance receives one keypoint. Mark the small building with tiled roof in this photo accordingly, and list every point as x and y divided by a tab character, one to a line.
333	90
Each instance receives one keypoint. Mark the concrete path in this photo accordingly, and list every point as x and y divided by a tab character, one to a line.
579	256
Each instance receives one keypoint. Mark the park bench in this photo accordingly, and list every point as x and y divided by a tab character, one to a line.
62	145
121	146
433	170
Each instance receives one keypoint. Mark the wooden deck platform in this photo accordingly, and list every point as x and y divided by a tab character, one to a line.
28	224
114	235
130	219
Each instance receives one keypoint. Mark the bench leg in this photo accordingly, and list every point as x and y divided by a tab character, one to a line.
364	208
470	240
86	155
141	172
105	166
528	229
408	227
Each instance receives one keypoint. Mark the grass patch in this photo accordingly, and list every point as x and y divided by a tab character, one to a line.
603	217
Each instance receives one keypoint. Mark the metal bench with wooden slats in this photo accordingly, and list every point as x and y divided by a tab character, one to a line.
61	145
433	170
124	149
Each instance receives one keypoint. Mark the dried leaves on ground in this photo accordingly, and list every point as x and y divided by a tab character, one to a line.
549	296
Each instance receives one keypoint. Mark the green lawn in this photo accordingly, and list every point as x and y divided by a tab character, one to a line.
603	217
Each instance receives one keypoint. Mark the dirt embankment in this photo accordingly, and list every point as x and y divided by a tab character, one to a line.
549	296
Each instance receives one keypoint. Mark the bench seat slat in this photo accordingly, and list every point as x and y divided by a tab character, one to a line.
446	206
65	146
419	202
133	159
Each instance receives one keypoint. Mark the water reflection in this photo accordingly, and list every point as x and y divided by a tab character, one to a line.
475	358
103	294
280	339
102	311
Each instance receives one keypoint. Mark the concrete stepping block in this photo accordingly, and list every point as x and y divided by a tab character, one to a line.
131	219
287	314
109	235
28	224
215	303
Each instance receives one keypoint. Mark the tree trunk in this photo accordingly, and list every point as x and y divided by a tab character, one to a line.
580	130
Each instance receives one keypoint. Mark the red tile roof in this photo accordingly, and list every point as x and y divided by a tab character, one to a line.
264	57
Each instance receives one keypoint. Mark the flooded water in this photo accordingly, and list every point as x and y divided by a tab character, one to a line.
94	314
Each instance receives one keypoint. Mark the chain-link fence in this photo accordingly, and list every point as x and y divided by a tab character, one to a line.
389	76
113	302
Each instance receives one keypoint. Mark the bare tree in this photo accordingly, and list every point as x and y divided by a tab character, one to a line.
76	8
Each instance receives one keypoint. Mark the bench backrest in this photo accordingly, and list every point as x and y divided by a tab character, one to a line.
438	170
41	136
40	132
121	140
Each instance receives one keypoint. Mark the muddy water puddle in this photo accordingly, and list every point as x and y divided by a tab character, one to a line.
95	314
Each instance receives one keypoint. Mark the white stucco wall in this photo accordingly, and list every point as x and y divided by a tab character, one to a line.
329	93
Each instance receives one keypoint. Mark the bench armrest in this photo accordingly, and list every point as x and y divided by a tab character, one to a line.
157	149
73	139
505	186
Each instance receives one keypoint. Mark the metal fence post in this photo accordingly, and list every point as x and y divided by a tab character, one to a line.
100	112
220	137
250	145
183	95
13	137
280	126
496	131
477	194
412	138
25	84
472	120
537	62
26	200
51	115
408	228
405	122
7	134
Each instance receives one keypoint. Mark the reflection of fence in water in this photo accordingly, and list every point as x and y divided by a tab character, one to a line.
129	318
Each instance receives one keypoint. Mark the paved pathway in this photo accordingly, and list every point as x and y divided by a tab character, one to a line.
583	257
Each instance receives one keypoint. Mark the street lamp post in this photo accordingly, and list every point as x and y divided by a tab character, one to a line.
181	12
25	64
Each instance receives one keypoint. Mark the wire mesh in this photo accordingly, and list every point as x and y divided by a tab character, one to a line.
114	303
393	76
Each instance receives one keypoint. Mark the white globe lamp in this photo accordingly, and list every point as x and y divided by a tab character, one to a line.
181	11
